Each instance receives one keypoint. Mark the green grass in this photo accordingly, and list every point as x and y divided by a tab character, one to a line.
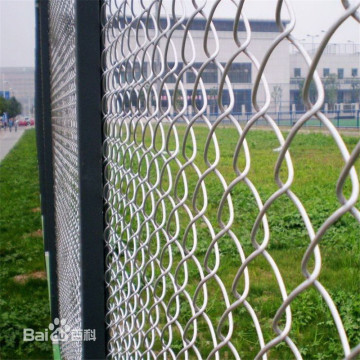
317	166
341	123
285	119
317	163
23	304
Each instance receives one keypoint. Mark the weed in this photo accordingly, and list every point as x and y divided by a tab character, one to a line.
23	304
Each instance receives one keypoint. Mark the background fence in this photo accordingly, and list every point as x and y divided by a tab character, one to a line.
168	227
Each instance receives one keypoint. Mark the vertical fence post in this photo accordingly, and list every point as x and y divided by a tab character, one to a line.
88	84
44	148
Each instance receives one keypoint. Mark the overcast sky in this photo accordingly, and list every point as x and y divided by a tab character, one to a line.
17	24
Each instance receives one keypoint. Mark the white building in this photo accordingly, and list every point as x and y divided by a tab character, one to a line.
285	70
339	68
242	72
19	82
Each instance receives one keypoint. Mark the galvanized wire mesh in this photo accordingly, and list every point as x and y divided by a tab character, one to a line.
173	216
65	159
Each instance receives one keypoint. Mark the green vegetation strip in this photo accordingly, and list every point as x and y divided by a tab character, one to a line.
317	163
24	297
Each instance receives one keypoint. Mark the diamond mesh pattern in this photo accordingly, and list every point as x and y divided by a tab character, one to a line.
175	217
66	175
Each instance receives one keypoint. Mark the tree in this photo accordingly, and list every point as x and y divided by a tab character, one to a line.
14	107
212	95
331	90
178	100
3	105
355	92
276	95
312	90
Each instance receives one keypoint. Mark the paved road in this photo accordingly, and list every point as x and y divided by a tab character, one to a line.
8	140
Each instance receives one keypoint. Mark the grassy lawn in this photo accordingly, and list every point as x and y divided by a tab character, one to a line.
341	123
285	120
24	297
317	163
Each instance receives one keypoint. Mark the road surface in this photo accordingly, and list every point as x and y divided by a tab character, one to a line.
8	140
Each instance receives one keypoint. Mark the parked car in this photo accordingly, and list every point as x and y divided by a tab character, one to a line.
23	122
26	122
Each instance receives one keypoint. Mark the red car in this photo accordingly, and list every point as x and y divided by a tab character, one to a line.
22	122
26	122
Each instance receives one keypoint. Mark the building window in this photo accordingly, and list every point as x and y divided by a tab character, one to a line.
242	97
140	70
172	79
239	72
199	101
340	73
340	96
326	72
134	71
297	72
208	76
354	72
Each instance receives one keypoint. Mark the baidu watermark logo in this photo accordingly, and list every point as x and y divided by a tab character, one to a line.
59	331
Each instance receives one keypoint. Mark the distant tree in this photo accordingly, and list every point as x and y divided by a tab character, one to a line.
331	90
355	92
14	107
3	105
142	99
212	96
276	95
312	90
178	100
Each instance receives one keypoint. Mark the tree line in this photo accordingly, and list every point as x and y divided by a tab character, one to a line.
10	106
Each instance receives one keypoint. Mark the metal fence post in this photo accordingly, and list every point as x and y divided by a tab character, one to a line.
44	148
88	84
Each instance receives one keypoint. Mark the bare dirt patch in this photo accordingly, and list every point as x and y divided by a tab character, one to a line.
22	279
37	233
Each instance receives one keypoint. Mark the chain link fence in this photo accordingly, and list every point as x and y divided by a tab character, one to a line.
172	292
69	141
213	247
66	167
